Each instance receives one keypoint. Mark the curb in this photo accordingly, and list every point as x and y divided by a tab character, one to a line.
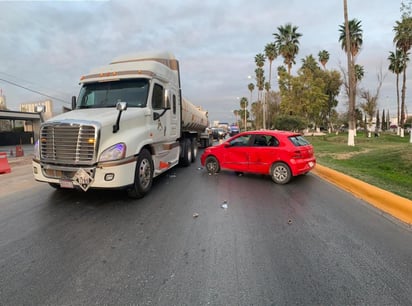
397	206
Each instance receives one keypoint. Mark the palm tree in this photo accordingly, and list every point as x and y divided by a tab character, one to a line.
359	73
287	41
236	113
243	105
260	78
355	37
323	58
251	87
351	42
396	67
271	54
403	42
310	63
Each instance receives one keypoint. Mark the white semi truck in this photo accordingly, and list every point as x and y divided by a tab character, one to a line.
128	125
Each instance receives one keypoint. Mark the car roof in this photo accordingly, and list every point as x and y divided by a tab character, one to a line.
271	132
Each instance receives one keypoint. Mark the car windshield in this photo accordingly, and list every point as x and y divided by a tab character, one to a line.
299	140
107	94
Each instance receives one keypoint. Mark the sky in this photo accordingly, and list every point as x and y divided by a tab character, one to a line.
46	46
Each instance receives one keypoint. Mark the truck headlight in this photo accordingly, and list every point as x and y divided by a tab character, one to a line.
117	151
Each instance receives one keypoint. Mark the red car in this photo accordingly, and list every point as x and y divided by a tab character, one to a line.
280	154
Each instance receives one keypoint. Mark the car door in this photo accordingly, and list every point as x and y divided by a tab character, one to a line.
262	153
236	154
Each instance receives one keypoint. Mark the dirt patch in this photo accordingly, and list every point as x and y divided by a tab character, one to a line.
343	155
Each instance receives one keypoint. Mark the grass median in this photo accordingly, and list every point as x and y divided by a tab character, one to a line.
384	161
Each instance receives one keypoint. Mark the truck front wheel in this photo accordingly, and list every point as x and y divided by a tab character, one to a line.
143	175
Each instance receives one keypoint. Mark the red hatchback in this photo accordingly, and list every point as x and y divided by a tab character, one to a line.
280	154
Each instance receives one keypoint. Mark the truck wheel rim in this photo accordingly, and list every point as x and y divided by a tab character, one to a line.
145	173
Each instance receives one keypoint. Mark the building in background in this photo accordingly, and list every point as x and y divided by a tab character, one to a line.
30	107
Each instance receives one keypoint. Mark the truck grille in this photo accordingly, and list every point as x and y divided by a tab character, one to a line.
68	143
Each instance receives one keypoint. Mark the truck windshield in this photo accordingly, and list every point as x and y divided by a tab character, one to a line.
107	94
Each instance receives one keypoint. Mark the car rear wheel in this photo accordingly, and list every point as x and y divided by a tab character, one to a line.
280	173
212	165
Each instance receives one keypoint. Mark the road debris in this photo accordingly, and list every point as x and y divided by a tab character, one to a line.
224	204
195	215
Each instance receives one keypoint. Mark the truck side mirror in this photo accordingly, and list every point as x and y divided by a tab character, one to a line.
121	106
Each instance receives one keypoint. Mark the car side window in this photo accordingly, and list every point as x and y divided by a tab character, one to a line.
273	142
241	141
260	141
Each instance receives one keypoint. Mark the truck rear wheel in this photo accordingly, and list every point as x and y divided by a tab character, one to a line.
194	148
143	175
186	157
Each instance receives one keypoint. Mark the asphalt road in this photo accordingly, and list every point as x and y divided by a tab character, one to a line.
305	243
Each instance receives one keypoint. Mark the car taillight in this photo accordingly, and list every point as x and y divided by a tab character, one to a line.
297	154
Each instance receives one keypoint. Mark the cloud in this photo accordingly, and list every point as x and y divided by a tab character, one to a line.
49	45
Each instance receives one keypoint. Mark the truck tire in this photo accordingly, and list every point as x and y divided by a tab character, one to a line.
186	157
143	177
193	148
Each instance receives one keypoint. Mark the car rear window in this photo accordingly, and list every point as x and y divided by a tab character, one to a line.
299	140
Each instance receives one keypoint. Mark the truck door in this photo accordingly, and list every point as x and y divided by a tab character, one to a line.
160	122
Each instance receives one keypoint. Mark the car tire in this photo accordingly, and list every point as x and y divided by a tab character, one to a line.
143	175
280	173
212	165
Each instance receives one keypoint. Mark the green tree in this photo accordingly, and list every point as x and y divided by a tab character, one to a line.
287	41
289	123
305	97
323	58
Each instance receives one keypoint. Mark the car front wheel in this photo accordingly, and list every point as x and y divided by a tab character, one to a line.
280	173
212	165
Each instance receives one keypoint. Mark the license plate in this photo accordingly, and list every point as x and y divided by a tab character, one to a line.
66	184
311	164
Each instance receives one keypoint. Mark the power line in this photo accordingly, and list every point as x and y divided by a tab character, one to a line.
32	90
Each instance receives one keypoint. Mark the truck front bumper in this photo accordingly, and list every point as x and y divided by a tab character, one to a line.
107	175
